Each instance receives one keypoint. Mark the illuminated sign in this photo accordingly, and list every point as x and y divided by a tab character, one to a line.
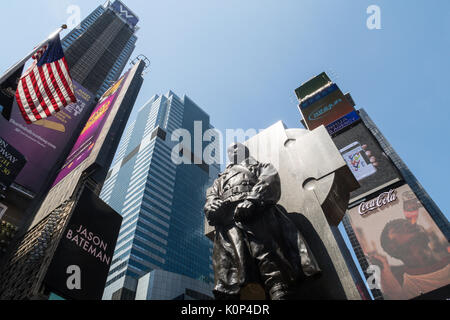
325	107
366	160
342	123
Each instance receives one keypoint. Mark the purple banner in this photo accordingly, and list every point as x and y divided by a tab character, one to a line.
43	141
88	137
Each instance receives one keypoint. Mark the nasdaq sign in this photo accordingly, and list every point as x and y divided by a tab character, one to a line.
125	13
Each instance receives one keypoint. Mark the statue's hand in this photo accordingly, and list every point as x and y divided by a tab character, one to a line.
215	206
243	211
213	211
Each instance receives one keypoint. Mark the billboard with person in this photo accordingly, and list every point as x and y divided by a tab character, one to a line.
405	248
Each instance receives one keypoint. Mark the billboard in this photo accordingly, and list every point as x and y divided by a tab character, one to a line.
402	243
125	13
325	107
11	162
43	141
366	160
342	123
88	137
81	262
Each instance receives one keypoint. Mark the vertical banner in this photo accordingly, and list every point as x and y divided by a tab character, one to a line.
81	263
88	137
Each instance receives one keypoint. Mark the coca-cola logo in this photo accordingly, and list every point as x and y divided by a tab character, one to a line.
383	199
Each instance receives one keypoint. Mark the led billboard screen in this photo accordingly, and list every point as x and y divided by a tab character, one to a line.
366	159
325	107
42	142
402	243
342	123
81	262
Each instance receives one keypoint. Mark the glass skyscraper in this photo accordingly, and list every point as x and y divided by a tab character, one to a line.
98	49
161	202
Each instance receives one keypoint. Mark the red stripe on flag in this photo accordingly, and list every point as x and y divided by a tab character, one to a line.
22	109
29	99
72	94
65	83
47	89
39	95
55	85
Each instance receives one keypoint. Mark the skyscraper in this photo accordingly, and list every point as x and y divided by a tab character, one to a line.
98	49
161	202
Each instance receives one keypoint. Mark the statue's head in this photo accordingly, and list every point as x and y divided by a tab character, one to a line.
237	152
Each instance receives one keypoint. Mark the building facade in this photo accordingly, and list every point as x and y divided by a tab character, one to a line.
98	49
164	285
161	202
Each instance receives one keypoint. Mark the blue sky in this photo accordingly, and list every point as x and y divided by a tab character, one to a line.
247	57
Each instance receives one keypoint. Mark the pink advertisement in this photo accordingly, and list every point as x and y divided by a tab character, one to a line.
88	137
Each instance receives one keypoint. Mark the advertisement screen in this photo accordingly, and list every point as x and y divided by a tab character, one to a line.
366	160
43	141
342	123
402	243
82	259
88	137
11	162
325	107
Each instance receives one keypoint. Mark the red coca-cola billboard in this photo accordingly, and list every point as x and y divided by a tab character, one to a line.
407	253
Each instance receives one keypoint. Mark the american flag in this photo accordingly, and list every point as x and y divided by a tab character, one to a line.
46	87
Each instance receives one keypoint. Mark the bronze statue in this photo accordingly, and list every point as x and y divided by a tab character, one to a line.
255	242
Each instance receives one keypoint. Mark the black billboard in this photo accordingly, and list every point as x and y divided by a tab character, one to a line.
11	162
81	262
366	159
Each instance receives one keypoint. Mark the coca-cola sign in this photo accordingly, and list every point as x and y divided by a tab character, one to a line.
383	199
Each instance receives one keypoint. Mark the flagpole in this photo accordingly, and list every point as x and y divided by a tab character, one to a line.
13	69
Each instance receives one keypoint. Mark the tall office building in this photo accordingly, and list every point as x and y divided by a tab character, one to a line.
98	49
161	202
